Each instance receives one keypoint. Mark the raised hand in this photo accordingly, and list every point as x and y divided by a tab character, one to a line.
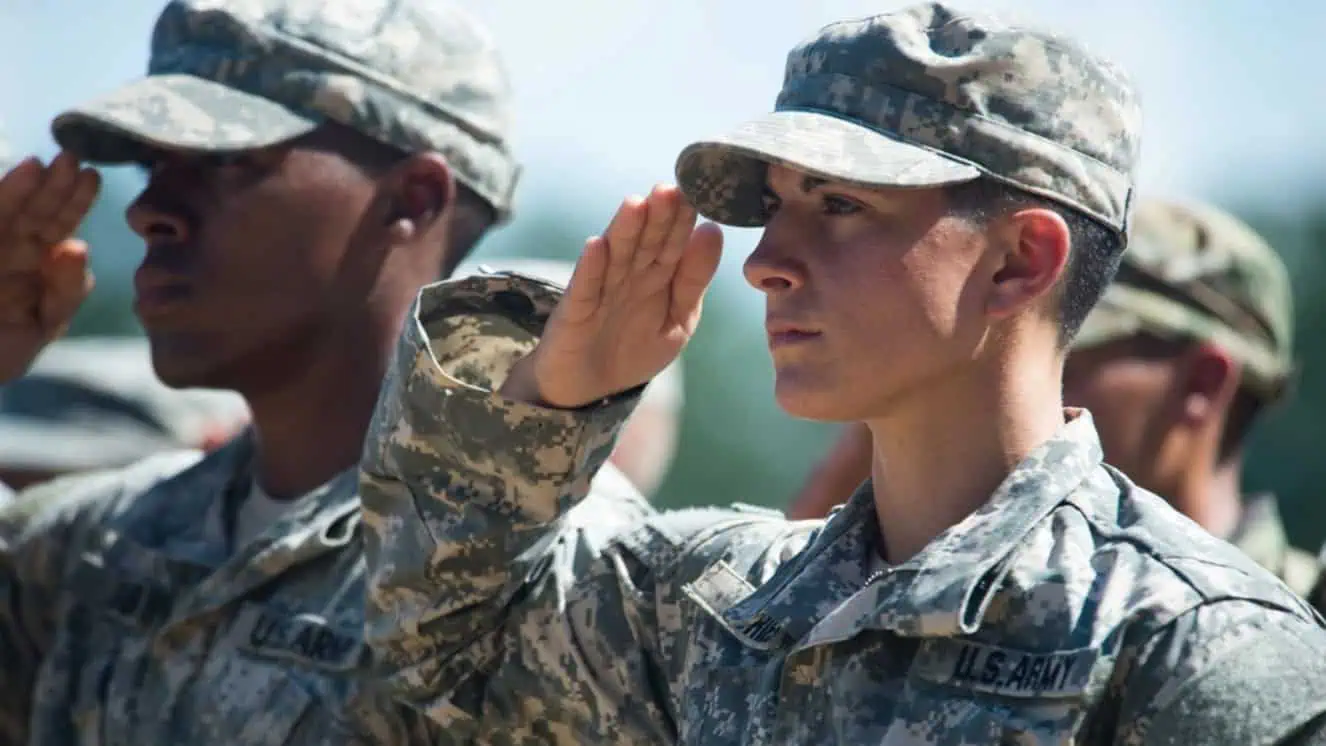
44	275
633	303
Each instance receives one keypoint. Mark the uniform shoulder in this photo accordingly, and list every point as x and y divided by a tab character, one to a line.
89	497
612	506
743	541
1137	533
1226	672
1120	560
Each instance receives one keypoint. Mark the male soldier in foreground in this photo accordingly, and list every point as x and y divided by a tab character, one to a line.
310	165
94	403
648	442
1190	344
943	198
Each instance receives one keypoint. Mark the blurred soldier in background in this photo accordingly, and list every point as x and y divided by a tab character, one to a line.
1190	345
648	442
1188	348
95	403
836	475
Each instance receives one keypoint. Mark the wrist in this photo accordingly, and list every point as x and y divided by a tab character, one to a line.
521	385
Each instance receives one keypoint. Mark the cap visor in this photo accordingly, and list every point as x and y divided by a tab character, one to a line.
39	446
1106	323
724	177
174	112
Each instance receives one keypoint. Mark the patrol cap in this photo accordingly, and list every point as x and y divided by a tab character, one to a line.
930	96
234	75
92	403
1196	272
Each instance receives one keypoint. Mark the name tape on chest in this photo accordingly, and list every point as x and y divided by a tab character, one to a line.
302	637
1001	671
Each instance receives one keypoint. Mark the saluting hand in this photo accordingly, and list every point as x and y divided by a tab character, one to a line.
632	304
44	275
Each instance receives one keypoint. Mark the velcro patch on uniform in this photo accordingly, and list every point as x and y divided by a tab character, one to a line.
306	638
719	588
1005	672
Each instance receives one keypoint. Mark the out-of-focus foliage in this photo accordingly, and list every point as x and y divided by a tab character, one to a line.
1288	450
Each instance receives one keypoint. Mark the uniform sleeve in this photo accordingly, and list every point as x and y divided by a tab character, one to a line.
1225	673
41	531
505	586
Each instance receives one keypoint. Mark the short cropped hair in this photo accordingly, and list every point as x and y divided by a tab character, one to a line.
1093	258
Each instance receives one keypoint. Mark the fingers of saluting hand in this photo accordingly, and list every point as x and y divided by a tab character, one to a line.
699	258
623	237
46	203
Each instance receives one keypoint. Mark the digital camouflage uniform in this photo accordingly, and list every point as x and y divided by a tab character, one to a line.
92	403
1073	607
126	615
1194	272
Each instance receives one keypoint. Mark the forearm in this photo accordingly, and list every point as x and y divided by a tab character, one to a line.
466	493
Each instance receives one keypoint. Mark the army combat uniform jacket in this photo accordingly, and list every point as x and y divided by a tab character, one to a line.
127	619
1072	608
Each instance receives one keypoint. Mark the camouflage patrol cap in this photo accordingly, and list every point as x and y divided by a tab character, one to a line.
235	75
1196	272
928	96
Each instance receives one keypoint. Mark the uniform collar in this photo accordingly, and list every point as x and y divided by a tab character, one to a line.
947	587
183	520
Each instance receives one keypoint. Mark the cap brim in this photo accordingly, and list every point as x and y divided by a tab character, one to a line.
724	177
42	446
1107	323
175	112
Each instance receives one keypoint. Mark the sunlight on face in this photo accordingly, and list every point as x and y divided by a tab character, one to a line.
868	293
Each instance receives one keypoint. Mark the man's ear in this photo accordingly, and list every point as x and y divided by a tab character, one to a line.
1034	245
418	191
1210	378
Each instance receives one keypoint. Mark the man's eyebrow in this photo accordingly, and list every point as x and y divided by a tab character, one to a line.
811	183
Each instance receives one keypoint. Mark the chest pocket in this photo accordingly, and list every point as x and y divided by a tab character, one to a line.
274	665
974	693
123	677
733	671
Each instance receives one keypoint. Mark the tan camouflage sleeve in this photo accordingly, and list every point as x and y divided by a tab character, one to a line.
485	532
1228	672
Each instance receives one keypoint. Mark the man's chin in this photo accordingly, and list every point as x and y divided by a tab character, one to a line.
179	363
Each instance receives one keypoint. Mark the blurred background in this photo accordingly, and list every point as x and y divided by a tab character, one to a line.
608	91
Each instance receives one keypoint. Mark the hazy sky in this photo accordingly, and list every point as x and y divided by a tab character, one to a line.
609	90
